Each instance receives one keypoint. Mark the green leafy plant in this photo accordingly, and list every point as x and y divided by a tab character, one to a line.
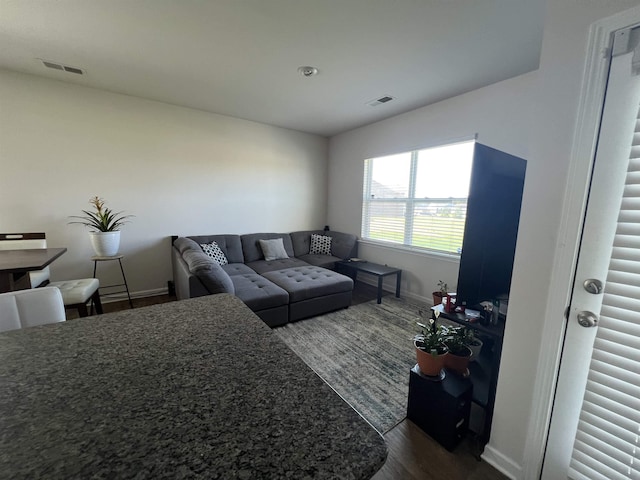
457	339
103	219
431	337
443	287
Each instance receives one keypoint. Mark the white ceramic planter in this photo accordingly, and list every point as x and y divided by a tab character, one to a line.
105	244
475	349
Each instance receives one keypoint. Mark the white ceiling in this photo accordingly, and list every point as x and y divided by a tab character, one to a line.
240	57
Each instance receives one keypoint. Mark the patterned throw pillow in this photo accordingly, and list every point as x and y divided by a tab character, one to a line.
213	250
320	245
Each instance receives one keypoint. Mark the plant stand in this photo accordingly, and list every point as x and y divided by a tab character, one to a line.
97	259
440	409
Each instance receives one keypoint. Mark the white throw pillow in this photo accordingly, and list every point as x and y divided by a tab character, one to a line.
320	244
273	249
214	251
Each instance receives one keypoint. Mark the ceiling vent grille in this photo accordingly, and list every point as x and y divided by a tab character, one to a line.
61	67
380	101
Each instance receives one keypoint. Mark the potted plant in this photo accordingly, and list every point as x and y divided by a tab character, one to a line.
442	291
475	344
105	225
430	348
457	340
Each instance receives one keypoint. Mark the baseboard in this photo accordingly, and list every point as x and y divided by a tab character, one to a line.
119	297
501	463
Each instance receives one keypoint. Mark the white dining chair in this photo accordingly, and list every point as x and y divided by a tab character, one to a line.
21	241
75	293
29	308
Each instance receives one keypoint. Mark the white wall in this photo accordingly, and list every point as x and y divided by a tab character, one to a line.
533	116
501	116
179	171
457	118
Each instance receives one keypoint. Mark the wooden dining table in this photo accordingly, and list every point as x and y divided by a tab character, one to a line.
15	266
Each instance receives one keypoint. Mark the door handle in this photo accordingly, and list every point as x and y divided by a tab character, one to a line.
587	319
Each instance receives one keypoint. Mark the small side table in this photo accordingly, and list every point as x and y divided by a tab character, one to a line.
352	267
441	409
97	259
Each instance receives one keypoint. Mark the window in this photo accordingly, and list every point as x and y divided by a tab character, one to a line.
419	198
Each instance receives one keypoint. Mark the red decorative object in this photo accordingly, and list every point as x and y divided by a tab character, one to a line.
449	302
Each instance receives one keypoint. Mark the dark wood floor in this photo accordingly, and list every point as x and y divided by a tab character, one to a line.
413	455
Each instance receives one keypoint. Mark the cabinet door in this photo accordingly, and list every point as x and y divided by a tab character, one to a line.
491	228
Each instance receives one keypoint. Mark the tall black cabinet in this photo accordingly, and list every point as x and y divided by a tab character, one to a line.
486	261
491	227
486	265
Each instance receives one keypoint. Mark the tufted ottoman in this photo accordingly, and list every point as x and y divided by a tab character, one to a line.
269	301
312	290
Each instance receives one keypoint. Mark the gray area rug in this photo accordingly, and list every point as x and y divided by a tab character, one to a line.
365	353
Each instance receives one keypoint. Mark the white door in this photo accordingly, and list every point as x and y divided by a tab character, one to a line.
595	424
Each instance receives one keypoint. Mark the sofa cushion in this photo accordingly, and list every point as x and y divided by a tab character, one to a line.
212	276
183	244
258	293
325	261
343	245
262	266
213	250
301	241
273	249
251	247
229	244
237	269
307	282
320	244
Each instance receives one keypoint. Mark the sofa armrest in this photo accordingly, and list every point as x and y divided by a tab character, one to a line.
212	276
186	284
199	276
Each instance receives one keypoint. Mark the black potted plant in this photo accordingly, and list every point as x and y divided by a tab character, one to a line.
430	347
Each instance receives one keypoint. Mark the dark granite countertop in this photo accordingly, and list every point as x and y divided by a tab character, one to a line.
194	389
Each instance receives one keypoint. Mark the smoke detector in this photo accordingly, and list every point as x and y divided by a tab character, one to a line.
308	71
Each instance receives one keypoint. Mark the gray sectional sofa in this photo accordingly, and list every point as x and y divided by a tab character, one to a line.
283	287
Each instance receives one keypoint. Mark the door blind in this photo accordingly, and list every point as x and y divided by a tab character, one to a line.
607	444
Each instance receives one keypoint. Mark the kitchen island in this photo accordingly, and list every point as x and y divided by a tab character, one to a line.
199	388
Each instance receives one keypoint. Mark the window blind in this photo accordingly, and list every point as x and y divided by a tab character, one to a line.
607	444
418	198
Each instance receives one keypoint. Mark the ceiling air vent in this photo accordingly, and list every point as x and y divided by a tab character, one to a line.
380	101
64	68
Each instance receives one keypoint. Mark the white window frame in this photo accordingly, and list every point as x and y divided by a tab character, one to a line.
410	202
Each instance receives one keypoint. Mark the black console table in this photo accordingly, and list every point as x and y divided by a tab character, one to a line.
484	370
352	267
